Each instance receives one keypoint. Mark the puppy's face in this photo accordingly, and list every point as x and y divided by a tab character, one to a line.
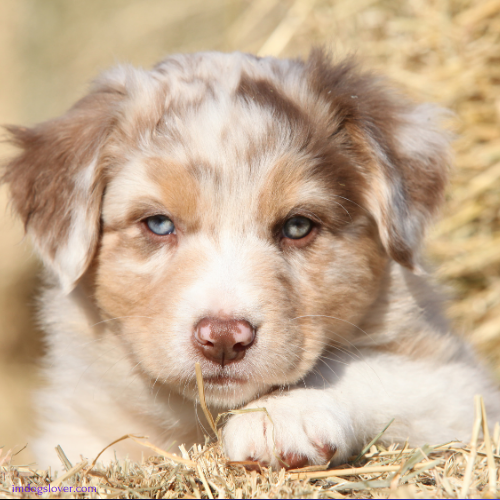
240	213
251	228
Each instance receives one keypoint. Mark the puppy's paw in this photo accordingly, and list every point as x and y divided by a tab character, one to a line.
298	429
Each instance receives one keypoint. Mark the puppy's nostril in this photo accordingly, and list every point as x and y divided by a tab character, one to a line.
223	340
240	346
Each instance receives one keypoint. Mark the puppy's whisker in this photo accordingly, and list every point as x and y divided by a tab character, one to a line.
328	365
350	201
317	374
333	346
343	348
154	383
331	317
119	317
345	209
335	359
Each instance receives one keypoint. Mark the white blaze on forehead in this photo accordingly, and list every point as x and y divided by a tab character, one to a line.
227	284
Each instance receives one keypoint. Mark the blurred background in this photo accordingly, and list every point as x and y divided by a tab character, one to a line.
444	51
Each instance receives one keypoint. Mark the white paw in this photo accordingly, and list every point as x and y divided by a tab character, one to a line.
300	428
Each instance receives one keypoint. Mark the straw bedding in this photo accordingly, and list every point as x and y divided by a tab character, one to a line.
446	51
449	470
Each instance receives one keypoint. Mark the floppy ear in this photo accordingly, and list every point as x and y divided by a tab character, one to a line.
397	146
56	182
412	160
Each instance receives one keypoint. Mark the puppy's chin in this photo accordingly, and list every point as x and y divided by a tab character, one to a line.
228	393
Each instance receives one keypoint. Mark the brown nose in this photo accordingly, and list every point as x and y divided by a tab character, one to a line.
223	340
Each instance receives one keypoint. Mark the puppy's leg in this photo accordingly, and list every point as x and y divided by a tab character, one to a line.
430	403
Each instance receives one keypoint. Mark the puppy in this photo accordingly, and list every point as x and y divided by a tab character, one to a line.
263	218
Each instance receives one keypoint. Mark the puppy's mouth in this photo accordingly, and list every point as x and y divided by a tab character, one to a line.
218	380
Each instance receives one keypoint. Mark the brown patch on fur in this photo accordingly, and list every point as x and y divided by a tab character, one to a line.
336	169
268	95
180	191
281	191
325	189
42	177
330	157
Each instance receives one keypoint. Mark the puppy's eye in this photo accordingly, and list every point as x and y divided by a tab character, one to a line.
297	228
160	225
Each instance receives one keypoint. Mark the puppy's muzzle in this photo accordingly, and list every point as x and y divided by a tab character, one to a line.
222	340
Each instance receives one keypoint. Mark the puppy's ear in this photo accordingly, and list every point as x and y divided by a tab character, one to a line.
406	187
56	182
397	147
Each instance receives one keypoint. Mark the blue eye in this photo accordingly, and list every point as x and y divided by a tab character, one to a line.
160	224
297	227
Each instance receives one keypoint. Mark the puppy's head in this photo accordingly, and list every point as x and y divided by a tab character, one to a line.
235	211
